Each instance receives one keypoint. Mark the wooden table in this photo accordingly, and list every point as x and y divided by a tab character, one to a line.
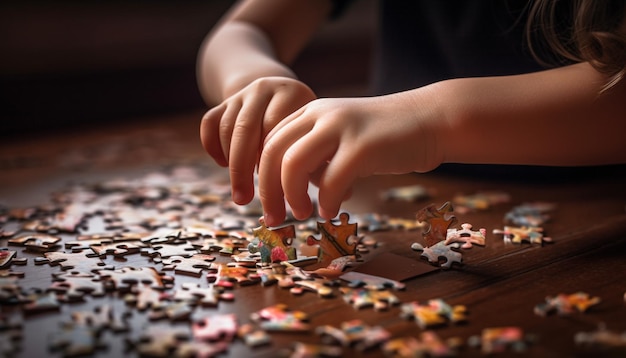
499	284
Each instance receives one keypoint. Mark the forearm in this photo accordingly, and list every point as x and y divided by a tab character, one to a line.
234	56
554	117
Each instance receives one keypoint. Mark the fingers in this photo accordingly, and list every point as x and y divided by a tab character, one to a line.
297	153
244	146
270	189
336	181
208	130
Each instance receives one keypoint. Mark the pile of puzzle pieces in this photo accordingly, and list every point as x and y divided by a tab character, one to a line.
165	252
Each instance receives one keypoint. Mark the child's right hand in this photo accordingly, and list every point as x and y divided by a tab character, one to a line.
233	131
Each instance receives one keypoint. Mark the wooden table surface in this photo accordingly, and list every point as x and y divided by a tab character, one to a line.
499	284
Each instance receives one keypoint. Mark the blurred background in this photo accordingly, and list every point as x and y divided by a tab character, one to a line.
70	64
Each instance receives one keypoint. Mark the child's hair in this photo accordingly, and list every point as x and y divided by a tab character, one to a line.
594	31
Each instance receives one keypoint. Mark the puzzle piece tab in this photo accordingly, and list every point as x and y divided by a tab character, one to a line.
467	236
440	251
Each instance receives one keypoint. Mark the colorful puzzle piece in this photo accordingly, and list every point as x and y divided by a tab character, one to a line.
518	235
435	313
429	345
274	245
564	304
479	201
335	240
228	274
438	221
500	340
279	318
529	214
467	236
301	350
355	333
222	327
362	297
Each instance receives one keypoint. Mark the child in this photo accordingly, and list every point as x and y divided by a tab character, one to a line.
263	116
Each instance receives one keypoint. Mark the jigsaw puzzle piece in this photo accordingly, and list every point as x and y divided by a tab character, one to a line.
124	279
355	333
427	345
358	279
362	297
500	340
437	221
219	327
76	340
280	318
36	242
435	312
192	266
192	294
518	235
564	304
467	236
335	240
434	254
73	286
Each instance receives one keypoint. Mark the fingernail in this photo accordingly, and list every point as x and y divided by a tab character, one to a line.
237	197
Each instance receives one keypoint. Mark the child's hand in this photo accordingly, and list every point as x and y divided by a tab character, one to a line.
233	132
332	142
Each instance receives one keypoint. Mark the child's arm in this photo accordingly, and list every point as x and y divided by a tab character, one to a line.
243	67
554	117
257	38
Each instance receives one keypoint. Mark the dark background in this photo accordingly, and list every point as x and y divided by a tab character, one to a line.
67	64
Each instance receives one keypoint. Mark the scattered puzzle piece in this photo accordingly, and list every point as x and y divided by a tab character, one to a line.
308	350
434	254
564	304
602	339
6	256
467	236
479	201
358	279
355	333
124	279
518	235
222	327
529	214
227	274
430	345
160	341
500	340
409	193
362	297
335	240
279	318
435	313
74	285
438	221
191	266
36	242
76	262
76	340
192	294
